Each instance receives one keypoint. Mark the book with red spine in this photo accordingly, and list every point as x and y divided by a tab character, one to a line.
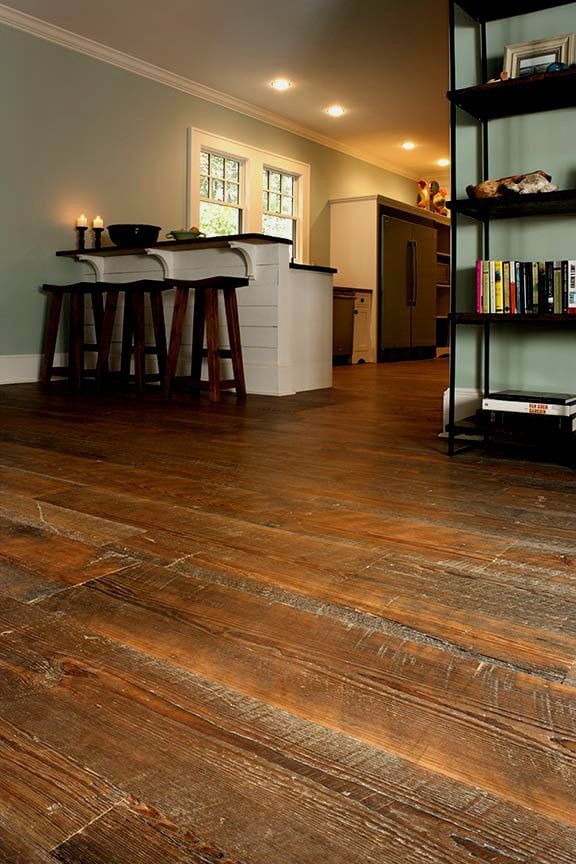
479	305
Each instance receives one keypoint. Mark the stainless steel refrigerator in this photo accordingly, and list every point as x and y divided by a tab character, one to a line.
407	328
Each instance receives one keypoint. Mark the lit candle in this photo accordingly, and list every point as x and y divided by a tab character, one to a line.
97	222
82	221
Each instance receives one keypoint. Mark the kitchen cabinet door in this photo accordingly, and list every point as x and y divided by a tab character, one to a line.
395	311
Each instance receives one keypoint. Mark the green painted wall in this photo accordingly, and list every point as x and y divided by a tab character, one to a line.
522	358
79	135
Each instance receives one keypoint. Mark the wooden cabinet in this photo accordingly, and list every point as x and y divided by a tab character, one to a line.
390	249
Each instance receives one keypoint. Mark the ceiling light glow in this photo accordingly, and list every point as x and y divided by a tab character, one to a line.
443	163
336	111
281	84
408	145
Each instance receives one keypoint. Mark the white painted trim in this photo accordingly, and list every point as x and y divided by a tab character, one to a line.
468	400
253	160
83	45
24	368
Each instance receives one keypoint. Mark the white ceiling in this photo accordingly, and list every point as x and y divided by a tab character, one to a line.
386	61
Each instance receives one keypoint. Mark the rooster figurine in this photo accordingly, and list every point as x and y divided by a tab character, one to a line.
423	195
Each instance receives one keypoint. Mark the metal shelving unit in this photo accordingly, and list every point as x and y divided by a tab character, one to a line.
484	103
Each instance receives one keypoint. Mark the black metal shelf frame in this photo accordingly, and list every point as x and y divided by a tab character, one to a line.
469	6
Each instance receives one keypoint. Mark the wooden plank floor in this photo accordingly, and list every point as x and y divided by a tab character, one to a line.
288	632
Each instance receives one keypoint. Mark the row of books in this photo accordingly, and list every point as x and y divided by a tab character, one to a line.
526	287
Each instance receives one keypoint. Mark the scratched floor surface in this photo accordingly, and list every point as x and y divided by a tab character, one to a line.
289	632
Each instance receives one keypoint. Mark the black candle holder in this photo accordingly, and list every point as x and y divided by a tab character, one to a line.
97	237
81	231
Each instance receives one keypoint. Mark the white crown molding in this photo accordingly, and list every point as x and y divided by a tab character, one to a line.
82	44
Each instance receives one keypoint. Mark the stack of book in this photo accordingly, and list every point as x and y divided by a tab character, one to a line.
526	287
509	407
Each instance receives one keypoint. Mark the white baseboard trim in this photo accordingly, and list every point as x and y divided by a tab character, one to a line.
468	400
23	368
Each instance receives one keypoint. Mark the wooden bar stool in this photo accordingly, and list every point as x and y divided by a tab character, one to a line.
104	319
133	331
77	346
206	318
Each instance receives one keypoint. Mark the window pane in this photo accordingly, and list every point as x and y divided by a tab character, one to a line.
217	166
275	181
204	163
216	219
232	170
265	201
217	190
266	179
204	187
287	206
276	226
232	193
287	184
274	202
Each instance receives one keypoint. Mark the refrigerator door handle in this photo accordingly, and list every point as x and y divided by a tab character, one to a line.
412	274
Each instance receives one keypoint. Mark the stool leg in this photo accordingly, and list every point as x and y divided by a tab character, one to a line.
176	332
105	339
157	305
97	312
127	335
198	339
51	336
139	340
233	324
212	343
76	351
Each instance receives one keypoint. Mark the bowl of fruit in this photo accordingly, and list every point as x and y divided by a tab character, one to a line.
185	234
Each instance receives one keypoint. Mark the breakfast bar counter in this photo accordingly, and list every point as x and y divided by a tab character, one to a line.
285	310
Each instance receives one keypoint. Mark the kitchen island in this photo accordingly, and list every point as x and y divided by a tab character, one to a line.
285	310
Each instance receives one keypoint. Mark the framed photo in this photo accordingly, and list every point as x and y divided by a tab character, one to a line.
534	58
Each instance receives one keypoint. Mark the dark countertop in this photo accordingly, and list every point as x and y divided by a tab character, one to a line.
316	268
199	243
178	245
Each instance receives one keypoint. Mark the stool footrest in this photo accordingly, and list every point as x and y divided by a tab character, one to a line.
224	353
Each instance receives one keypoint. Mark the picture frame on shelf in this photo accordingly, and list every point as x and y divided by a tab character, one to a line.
533	58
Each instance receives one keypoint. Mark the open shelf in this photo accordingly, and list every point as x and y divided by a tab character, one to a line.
494	10
547	92
514	207
506	318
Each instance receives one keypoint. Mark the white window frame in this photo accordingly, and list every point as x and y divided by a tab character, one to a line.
293	217
253	162
241	186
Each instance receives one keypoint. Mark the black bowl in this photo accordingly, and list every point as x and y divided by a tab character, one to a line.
133	235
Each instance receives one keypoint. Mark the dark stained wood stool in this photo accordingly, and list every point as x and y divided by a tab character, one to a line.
133	337
77	347
206	319
133	331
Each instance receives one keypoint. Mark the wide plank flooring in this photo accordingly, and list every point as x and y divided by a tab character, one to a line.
286	632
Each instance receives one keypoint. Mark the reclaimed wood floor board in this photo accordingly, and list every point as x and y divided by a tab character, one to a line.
287	631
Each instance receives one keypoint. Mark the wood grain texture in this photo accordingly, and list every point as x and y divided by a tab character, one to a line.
44	797
289	630
247	776
418	701
137	833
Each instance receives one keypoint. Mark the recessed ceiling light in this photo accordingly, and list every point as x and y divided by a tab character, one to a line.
336	111
281	84
408	145
443	163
